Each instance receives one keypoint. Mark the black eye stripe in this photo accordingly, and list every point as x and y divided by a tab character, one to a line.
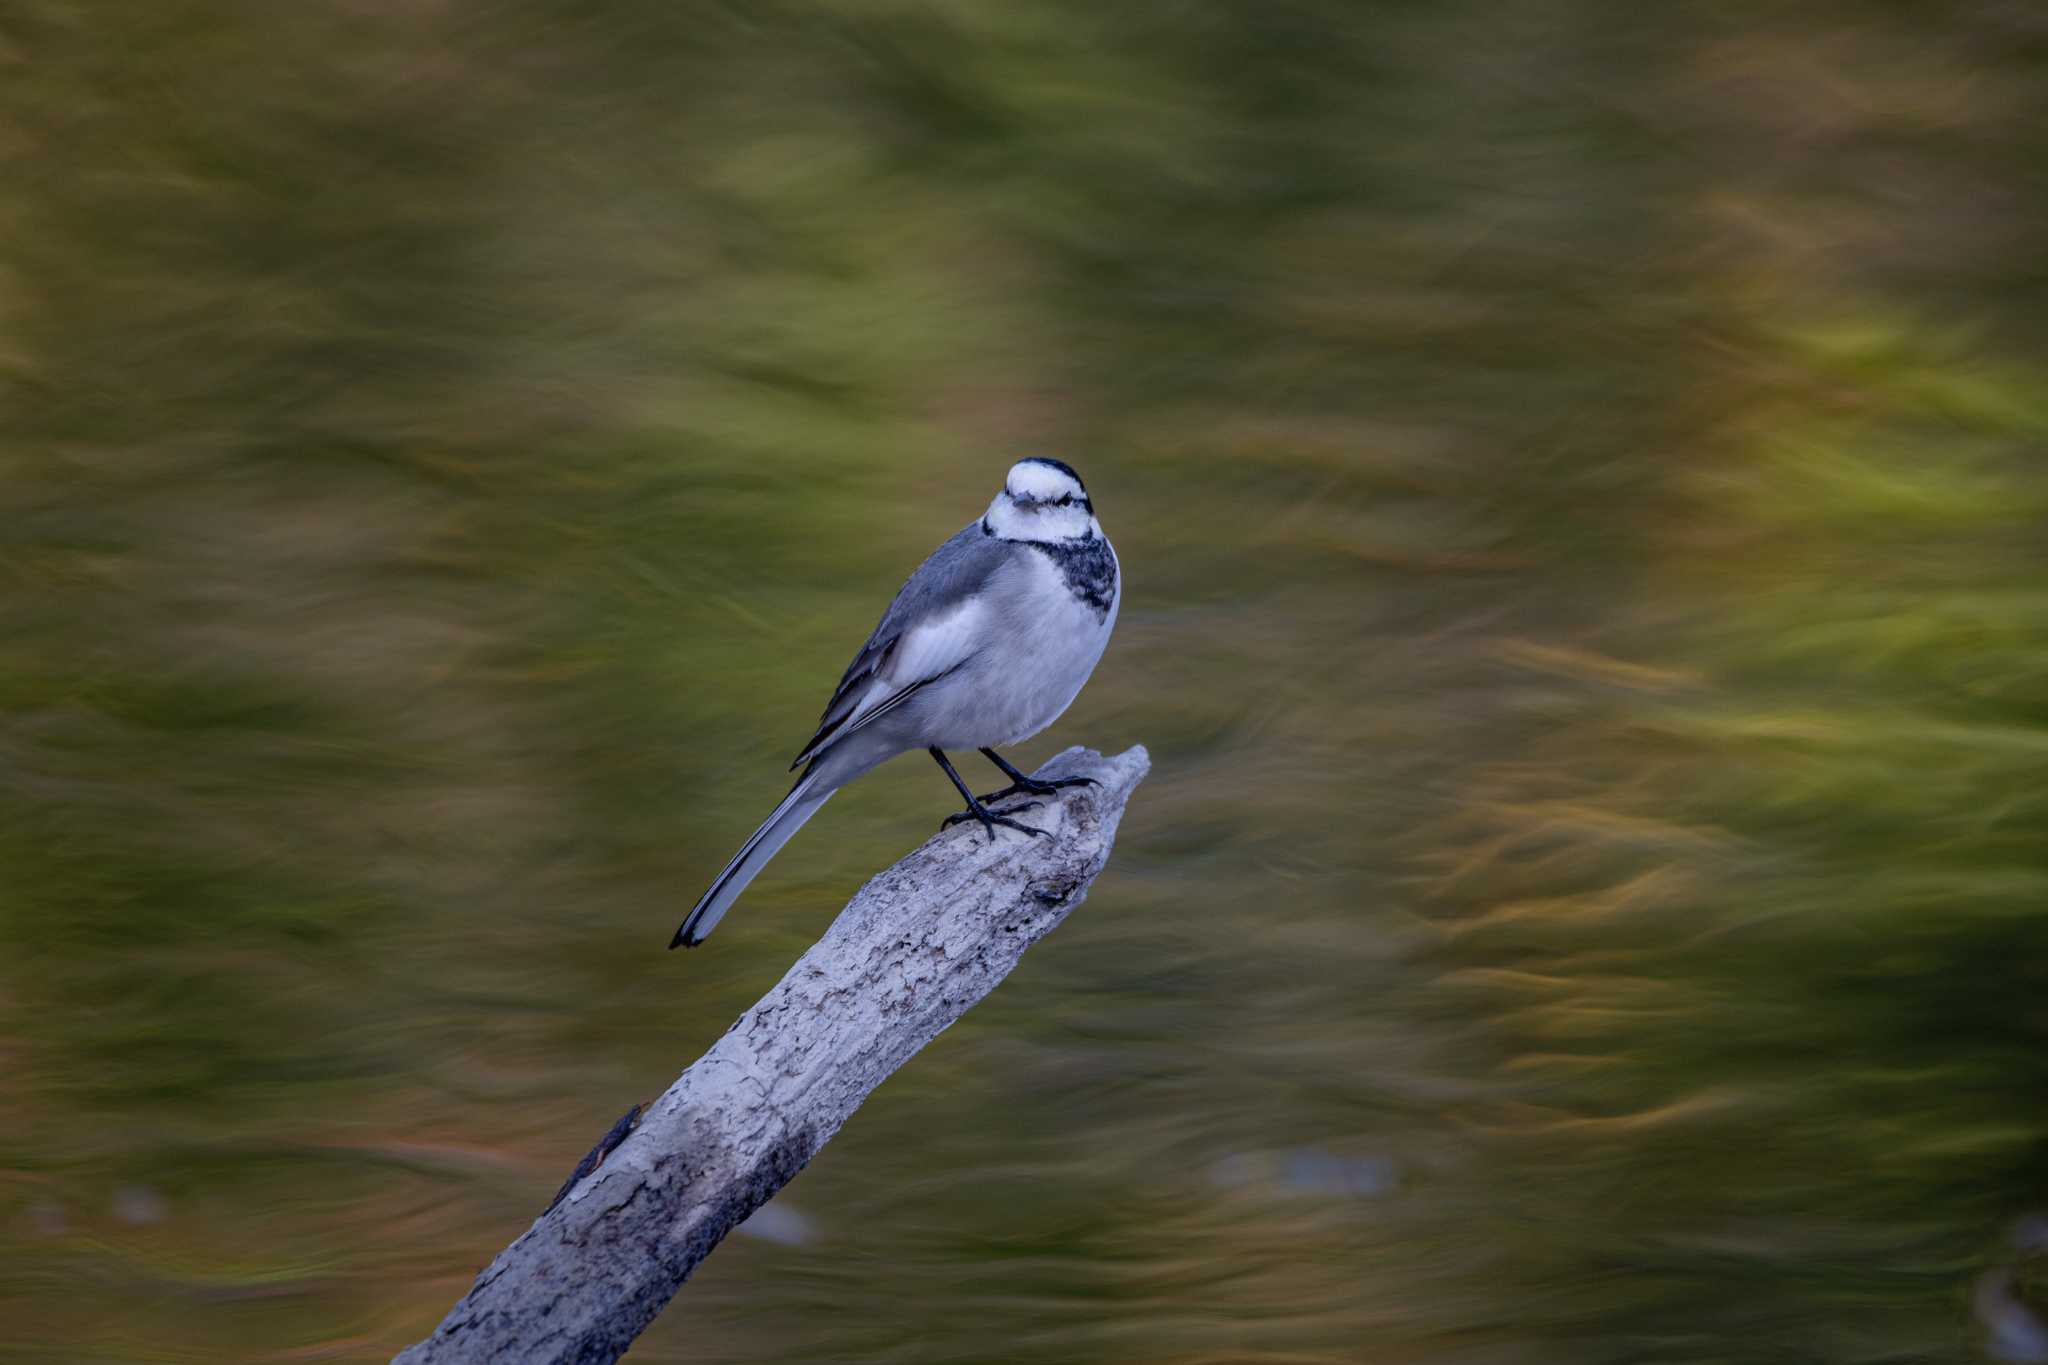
1063	500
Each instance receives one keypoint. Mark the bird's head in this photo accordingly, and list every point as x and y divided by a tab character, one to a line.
1042	500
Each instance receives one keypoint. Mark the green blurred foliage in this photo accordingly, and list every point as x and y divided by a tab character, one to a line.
1578	471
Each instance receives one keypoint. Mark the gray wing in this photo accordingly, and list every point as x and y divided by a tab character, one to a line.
898	658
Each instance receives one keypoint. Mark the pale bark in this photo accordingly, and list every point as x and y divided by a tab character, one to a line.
911	952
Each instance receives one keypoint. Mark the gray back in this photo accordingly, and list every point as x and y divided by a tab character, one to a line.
955	571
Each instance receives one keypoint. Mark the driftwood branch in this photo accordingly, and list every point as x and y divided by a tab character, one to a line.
910	953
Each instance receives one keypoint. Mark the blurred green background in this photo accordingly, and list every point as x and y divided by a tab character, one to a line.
1579	472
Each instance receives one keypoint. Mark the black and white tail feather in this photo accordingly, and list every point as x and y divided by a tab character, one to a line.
800	805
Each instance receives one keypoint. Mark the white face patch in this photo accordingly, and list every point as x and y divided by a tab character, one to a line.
1045	521
1030	481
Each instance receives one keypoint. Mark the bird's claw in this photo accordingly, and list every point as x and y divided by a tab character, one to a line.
989	820
1032	786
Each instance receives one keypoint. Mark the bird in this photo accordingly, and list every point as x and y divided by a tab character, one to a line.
984	646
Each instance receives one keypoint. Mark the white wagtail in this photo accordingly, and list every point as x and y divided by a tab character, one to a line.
985	645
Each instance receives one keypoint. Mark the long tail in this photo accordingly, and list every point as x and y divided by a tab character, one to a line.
800	805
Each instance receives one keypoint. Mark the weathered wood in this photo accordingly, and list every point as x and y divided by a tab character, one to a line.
910	953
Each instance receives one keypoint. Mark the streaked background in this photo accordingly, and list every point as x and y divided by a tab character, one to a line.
1579	471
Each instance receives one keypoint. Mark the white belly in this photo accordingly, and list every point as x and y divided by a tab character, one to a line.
1045	645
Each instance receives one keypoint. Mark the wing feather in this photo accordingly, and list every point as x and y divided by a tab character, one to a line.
887	673
931	628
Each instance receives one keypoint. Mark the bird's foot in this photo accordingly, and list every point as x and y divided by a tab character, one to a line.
978	810
1033	786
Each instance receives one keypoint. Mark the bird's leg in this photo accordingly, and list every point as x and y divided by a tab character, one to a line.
1021	783
975	809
